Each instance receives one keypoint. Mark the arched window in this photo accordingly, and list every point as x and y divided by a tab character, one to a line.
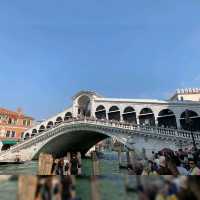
190	120
84	106
13	134
59	120
147	117
8	134
129	115
114	113
68	116
100	112
49	125
41	129
27	136
34	131
167	119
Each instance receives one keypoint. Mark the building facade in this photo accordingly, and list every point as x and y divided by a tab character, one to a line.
188	94
13	125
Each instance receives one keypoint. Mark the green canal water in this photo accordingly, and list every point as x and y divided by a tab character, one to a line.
111	181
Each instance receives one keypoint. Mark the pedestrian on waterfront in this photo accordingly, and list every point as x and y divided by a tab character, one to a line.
163	169
68	189
55	167
66	166
171	165
182	170
75	165
194	170
59	168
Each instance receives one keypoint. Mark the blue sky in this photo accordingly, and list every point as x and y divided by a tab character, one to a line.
49	50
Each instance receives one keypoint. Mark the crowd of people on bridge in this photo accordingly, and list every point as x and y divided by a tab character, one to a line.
168	162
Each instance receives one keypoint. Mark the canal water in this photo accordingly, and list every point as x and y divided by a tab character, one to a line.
111	182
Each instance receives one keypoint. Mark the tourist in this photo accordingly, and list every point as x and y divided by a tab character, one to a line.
68	189
75	165
194	170
59	168
182	170
66	166
54	170
194	185
163	169
168	191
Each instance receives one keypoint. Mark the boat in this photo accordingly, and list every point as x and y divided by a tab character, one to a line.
11	162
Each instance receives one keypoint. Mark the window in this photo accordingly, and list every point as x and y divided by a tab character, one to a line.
22	134
9	121
8	134
13	134
28	123
24	122
182	98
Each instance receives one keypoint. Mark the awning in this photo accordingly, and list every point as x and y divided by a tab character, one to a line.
11	142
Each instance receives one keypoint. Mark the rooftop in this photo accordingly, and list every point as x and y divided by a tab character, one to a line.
188	91
17	114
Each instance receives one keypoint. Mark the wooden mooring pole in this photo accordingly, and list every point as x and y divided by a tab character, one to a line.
95	188
27	186
45	164
95	164
80	163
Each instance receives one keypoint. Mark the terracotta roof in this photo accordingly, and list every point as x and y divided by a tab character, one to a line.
14	114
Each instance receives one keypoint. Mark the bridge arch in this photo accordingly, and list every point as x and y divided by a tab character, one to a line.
129	115
84	106
41	129
68	116
49	125
194	120
167	119
147	117
59	120
72	140
114	113
100	112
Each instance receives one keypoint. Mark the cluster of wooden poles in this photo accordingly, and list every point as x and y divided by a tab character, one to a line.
28	185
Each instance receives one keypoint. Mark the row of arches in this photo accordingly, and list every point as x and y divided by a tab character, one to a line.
49	125
166	117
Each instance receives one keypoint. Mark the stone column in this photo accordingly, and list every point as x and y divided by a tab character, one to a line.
178	122
156	121
137	120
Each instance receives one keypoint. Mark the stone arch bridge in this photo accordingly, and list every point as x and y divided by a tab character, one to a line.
137	123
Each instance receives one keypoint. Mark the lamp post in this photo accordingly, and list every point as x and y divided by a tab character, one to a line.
189	122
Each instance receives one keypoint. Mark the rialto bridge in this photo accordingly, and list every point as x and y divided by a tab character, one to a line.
137	123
